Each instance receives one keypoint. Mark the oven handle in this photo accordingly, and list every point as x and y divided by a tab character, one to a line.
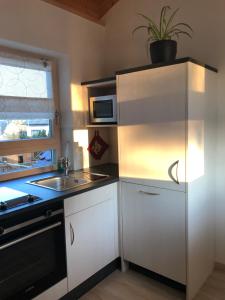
33	221
30	235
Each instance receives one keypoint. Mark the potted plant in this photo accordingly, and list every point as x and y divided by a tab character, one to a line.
163	47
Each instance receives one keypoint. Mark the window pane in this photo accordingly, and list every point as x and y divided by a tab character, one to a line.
26	161
23	82
25	129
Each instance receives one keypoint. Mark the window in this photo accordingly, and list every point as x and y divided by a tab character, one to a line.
26	161
29	131
25	129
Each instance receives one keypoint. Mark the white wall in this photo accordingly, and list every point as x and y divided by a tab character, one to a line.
124	50
77	43
207	18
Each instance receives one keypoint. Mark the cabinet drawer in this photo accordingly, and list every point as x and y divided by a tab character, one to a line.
83	201
153	229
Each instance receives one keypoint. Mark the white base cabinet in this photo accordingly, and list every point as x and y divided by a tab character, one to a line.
153	229
91	233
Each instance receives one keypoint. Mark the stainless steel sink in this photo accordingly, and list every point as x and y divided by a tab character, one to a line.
58	183
63	183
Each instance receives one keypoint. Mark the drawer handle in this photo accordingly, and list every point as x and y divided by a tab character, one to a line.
148	193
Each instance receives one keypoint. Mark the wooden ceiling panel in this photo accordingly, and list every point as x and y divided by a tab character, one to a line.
105	6
93	10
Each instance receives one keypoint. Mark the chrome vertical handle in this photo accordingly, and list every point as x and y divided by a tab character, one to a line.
175	164
71	234
57	117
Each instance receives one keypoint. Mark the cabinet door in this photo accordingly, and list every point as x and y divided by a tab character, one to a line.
151	134
91	241
153	234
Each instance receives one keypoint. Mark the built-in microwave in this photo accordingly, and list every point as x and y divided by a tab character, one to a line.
103	109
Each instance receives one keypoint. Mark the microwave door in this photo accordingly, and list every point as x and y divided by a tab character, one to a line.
103	109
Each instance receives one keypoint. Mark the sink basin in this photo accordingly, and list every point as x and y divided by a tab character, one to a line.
60	183
63	183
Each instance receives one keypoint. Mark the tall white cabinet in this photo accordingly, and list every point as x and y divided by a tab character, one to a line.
152	113
166	139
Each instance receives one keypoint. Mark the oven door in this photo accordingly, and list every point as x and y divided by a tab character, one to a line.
103	109
32	258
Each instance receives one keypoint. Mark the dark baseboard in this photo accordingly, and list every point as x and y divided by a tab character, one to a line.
91	282
87	285
157	277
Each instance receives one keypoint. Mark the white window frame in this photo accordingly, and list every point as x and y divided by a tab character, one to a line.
33	145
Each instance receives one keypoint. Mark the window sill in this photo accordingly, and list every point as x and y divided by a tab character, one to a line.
15	175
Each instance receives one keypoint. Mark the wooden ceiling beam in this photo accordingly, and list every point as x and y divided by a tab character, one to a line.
92	10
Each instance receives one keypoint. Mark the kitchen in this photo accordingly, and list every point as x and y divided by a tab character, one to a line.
51	34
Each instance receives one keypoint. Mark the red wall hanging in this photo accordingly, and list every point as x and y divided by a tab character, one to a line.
97	146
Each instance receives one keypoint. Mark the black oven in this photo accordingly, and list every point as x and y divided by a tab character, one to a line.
32	252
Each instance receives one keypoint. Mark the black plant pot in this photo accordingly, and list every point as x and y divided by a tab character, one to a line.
163	51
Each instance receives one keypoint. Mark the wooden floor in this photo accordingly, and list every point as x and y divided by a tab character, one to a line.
134	286
214	289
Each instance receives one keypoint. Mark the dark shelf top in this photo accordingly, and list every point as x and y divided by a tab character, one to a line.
159	65
102	80
150	66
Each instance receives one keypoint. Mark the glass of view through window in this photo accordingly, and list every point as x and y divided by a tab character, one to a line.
26	109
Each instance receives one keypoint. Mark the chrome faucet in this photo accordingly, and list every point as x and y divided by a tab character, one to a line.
66	165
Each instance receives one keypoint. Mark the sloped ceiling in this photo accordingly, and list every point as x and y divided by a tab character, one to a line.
92	10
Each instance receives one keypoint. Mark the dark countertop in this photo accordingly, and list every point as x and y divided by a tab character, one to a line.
50	195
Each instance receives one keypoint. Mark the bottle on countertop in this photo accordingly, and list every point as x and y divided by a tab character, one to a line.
78	157
60	167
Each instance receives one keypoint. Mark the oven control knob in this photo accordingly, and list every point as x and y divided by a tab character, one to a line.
30	198
1	230
48	213
3	206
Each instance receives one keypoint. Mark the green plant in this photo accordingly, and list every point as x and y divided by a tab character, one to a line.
166	29
39	134
23	134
